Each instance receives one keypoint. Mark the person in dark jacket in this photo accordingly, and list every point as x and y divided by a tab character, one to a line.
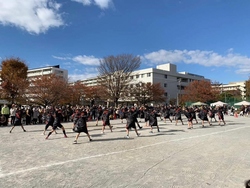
130	116
211	114
166	114
106	120
99	114
57	123
80	126
18	120
49	122
220	115
178	117
189	116
153	120
203	116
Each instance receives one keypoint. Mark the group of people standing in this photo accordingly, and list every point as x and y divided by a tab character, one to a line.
81	115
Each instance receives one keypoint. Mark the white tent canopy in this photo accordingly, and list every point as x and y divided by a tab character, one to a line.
198	104
245	103
218	103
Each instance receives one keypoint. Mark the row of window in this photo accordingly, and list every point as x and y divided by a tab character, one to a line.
142	76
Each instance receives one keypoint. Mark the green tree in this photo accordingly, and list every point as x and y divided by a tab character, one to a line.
114	74
14	79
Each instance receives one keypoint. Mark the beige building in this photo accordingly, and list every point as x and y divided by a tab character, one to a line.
48	71
232	86
166	74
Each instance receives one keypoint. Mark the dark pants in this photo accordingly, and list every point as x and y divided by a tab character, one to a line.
7	119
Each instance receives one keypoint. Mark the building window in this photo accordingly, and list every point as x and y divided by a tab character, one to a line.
142	75
148	74
137	76
131	77
165	85
166	76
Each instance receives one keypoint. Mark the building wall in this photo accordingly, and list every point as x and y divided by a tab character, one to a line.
235	86
48	71
166	74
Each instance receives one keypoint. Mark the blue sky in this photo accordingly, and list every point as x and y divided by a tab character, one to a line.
205	37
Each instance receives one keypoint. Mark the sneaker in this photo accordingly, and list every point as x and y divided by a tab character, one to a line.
65	136
138	134
140	127
75	142
127	136
102	132
90	139
150	131
10	131
46	138
24	130
158	130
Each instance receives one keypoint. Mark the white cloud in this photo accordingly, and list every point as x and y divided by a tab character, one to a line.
82	59
103	4
86	60
34	16
204	58
61	58
81	76
84	2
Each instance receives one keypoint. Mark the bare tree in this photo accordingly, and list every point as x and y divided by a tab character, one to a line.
114	73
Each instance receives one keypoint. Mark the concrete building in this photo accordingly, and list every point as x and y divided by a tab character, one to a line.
166	74
234	86
32	73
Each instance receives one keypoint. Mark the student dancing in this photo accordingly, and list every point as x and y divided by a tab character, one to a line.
130	116
81	126
18	120
57	123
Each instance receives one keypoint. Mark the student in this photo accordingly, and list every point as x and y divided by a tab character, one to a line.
49	122
189	116
220	115
99	114
57	123
211	114
81	126
166	114
130	116
178	117
18	120
203	116
153	120
106	120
